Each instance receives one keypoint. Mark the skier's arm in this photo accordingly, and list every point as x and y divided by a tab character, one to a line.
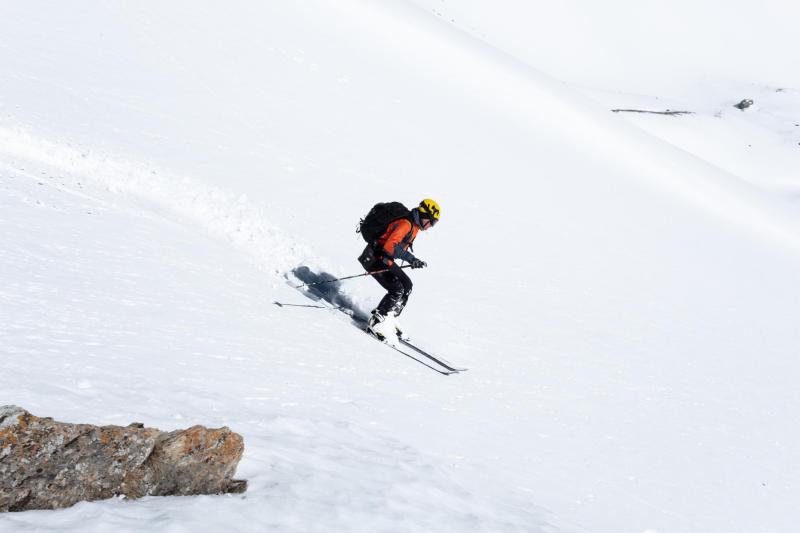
405	255
393	247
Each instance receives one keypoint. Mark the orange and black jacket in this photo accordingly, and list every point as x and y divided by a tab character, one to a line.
396	240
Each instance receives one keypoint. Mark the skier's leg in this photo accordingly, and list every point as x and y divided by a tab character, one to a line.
377	323
407	285
395	290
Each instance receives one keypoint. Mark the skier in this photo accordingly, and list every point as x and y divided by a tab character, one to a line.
382	253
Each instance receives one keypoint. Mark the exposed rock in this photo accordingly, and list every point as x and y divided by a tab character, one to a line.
667	112
47	465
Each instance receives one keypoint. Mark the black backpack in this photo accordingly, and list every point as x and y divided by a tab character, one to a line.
372	226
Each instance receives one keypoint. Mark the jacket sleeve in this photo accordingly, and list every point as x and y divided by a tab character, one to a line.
393	247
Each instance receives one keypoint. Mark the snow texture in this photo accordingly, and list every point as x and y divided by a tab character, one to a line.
624	288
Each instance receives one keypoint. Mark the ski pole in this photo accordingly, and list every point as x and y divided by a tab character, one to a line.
348	277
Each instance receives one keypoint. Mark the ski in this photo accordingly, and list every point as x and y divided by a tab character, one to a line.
444	364
419	355
444	370
440	361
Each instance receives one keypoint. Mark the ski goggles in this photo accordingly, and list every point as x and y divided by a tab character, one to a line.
431	221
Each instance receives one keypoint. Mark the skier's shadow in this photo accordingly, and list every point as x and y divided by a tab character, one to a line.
323	286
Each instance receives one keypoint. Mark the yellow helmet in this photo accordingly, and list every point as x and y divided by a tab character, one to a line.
429	209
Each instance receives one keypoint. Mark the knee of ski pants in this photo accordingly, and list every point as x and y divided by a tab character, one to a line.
407	285
401	280
400	291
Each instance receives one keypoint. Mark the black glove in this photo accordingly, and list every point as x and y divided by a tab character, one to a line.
418	263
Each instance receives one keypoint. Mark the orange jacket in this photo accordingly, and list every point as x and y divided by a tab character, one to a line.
396	240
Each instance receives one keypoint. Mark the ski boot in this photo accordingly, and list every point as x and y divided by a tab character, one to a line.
377	325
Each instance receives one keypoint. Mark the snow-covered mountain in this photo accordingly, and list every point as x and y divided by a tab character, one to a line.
623	287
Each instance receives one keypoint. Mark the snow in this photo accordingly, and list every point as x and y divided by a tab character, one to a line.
622	287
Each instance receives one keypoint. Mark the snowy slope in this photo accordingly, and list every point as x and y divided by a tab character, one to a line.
626	308
698	57
112	313
760	145
667	47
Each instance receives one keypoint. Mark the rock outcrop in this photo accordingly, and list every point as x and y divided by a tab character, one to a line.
47	465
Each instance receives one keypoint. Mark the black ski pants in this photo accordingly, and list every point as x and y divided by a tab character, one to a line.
398	286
